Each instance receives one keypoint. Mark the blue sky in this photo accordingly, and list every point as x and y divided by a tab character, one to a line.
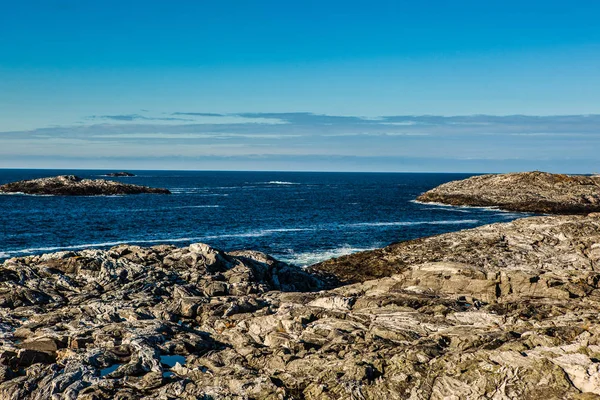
311	85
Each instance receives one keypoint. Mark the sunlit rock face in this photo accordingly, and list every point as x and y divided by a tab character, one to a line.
538	192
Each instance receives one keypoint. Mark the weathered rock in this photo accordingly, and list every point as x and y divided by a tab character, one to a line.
539	247
506	311
537	192
71	185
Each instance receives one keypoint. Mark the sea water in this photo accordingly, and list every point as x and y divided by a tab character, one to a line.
297	217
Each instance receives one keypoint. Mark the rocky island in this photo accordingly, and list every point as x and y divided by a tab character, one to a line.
120	174
71	185
504	311
537	192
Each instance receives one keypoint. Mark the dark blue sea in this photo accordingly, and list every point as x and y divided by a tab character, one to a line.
298	217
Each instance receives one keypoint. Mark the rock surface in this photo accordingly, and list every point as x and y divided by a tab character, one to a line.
71	185
506	311
119	174
538	192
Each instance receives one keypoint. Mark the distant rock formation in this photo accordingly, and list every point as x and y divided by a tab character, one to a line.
538	192
71	185
120	174
506	311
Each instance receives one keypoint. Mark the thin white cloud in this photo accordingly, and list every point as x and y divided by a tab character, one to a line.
208	135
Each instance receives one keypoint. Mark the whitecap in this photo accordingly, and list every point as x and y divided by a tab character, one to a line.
447	209
124	210
411	223
287	230
191	239
304	259
281	183
483	208
25	194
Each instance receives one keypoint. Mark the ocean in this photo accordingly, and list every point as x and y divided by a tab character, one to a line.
298	217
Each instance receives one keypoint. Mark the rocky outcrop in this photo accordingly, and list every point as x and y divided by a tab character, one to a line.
506	311
120	174
71	185
537	192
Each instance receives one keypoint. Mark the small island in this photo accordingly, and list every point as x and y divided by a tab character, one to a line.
536	192
71	185
120	174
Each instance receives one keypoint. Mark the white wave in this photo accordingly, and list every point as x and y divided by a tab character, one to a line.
440	209
62	248
189	188
304	259
3	255
254	233
411	223
281	183
207	206
483	208
25	194
287	230
104	195
124	210
199	193
511	215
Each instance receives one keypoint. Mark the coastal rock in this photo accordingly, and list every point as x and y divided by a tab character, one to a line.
71	185
120	174
539	247
505	311
537	192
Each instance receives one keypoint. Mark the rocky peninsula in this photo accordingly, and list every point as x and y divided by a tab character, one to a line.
537	192
504	311
71	185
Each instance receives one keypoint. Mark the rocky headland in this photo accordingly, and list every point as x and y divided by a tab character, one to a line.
504	311
537	192
71	185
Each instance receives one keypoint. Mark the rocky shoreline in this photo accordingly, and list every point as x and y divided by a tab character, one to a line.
501	311
71	185
536	192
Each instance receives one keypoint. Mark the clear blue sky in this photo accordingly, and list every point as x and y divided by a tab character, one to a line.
96	84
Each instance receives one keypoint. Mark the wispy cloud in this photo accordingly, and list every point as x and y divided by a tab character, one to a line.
199	114
526	139
134	117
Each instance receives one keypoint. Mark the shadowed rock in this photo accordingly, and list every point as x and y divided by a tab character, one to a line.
71	185
537	192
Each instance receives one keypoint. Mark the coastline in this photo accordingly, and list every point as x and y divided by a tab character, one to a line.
461	313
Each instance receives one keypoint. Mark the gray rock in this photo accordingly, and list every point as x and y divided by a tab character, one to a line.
71	185
505	311
537	192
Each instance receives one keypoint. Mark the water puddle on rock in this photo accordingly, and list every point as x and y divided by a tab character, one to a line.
171	360
108	370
